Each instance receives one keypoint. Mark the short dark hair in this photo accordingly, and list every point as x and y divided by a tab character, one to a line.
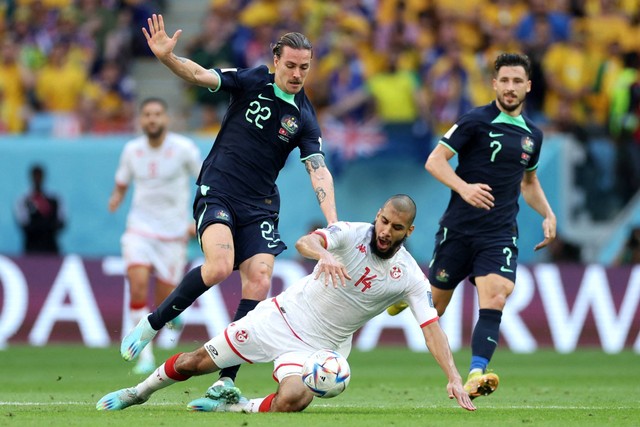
294	41
403	203
513	60
154	99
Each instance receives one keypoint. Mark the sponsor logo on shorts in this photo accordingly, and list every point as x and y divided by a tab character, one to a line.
442	276
396	272
242	336
212	350
222	215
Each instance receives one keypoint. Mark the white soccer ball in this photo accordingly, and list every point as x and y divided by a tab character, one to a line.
326	373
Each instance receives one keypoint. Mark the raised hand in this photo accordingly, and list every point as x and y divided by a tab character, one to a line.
158	40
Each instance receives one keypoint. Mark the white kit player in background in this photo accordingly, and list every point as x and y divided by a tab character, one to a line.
162	166
362	268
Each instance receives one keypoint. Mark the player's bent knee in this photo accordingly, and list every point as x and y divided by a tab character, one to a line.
215	272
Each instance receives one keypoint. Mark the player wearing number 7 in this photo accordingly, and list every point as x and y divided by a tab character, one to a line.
498	150
237	201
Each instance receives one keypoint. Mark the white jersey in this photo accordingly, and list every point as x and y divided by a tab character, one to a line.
161	178
326	317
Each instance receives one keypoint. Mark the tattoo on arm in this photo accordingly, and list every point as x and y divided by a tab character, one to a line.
314	163
225	246
321	195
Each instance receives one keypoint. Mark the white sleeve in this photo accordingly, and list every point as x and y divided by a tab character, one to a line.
124	172
421	302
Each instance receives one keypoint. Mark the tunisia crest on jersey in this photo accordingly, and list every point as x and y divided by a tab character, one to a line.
395	272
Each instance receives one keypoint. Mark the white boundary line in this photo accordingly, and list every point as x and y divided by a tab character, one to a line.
513	407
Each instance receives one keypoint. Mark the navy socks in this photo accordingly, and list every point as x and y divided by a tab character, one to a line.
189	289
485	338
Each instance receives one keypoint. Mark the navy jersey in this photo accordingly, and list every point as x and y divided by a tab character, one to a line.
262	126
493	148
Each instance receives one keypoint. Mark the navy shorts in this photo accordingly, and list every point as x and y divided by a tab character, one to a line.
458	255
254	229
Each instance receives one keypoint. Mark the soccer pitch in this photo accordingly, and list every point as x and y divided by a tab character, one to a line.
60	385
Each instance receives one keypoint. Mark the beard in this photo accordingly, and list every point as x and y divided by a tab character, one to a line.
389	252
510	107
154	133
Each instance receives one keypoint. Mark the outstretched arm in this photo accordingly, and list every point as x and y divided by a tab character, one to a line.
162	47
476	194
322	182
439	348
533	194
312	246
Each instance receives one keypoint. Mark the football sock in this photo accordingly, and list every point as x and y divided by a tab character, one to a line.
485	338
245	306
265	403
189	289
164	376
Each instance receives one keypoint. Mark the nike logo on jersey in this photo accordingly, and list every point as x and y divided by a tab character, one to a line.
495	135
264	97
505	269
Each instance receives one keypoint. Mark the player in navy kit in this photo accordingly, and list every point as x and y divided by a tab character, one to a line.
237	202
498	151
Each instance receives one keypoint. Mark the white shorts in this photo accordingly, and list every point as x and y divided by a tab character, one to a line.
168	258
263	335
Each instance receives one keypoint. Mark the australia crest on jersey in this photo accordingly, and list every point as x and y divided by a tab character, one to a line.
288	127
528	146
395	273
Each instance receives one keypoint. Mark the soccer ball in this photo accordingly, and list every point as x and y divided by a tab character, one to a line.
326	373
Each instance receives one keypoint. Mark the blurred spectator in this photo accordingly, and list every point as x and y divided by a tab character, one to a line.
559	22
59	90
109	101
625	125
399	106
447	88
464	16
40	215
536	48
630	252
211	47
605	26
16	81
501	13
568	77
95	22
118	43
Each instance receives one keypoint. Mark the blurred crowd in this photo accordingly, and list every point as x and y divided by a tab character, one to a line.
384	70
65	64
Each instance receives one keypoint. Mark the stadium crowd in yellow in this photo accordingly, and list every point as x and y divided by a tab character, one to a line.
442	49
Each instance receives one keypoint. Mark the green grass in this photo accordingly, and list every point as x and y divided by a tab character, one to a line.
59	386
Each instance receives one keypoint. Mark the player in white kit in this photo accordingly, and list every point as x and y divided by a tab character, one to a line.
361	270
162	166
